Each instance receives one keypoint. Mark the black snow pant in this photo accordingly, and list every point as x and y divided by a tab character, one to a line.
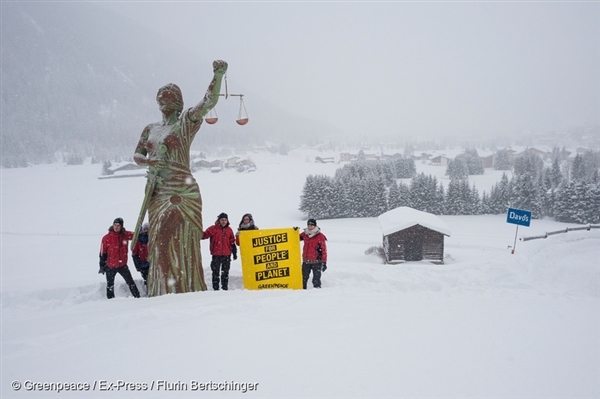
316	269
220	264
111	272
144	271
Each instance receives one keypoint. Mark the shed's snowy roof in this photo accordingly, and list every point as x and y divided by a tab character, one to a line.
404	217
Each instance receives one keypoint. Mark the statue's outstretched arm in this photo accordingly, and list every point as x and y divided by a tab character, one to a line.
212	93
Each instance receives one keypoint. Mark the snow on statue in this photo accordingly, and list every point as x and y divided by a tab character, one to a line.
172	197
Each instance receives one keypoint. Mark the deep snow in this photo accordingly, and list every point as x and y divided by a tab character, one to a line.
486	324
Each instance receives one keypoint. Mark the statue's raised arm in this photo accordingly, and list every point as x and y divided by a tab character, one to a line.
212	93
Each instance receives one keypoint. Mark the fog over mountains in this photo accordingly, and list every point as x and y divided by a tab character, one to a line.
77	78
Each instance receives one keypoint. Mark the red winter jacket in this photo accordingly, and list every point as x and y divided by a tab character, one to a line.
311	244
221	239
140	249
114	245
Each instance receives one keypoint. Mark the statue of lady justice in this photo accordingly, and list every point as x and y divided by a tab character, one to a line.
173	197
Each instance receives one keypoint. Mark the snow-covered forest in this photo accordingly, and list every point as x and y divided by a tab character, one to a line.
567	189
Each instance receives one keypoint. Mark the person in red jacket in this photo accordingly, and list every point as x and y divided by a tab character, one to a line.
113	258
222	246
140	253
314	253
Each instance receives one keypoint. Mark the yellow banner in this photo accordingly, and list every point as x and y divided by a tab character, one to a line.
271	259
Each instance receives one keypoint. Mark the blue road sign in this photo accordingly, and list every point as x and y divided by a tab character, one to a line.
518	216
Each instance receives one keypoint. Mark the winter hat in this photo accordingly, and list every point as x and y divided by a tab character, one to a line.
118	220
145	226
222	215
312	221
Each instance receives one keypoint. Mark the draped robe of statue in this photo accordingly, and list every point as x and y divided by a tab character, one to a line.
174	201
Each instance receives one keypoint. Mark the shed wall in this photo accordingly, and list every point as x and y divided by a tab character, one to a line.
413	244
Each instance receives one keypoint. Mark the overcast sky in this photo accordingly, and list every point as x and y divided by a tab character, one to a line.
401	68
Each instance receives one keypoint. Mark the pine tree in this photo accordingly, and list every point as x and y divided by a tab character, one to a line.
546	192
393	196
578	172
526	195
453	198
466	197
307	198
474	202
422	193
578	202
106	168
457	169
502	160
505	194
529	162
555	174
329	197
440	201
338	199
377	197
564	202
591	163
473	161
486	206
404	195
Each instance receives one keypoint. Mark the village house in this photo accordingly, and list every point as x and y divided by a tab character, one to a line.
232	162
487	161
122	169
199	164
440	160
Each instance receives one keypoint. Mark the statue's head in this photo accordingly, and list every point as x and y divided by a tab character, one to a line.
170	95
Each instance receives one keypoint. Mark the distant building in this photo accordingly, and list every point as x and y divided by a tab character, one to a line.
123	166
440	160
216	165
347	157
487	161
122	169
232	162
361	156
324	159
198	164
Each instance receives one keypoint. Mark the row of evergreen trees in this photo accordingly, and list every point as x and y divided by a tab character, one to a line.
370	188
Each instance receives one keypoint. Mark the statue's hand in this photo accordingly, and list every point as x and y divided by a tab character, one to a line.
219	67
156	163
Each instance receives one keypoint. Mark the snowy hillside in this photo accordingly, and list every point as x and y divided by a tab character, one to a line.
487	323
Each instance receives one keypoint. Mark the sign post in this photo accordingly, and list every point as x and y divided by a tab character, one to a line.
271	259
519	217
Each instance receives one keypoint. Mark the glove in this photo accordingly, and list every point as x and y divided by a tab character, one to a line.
102	263
136	262
324	266
234	251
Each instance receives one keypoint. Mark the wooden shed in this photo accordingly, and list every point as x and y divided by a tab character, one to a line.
412	235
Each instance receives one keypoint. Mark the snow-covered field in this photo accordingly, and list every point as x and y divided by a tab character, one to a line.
486	324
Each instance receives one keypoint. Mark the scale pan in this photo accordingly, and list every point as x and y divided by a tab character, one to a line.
211	121
242	121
